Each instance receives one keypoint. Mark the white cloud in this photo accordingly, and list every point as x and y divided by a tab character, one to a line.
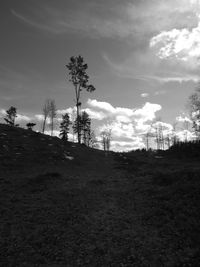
127	146
185	135
70	111
144	95
96	115
147	112
180	44
39	117
3	111
127	125
106	107
183	119
21	118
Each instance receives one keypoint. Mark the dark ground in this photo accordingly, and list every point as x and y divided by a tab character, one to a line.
132	209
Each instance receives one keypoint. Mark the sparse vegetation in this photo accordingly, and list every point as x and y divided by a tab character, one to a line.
126	209
67	204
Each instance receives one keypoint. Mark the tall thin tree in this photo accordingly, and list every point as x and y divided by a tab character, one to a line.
52	114
45	111
80	79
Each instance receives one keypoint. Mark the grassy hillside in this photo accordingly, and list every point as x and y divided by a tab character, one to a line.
63	204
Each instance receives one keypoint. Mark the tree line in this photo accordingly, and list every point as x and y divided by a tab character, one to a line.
81	125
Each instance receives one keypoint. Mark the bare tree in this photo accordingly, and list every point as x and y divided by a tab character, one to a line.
93	140
46	111
79	77
174	134
106	139
148	135
159	137
52	114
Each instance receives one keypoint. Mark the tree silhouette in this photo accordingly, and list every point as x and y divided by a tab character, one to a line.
45	110
80	79
11	115
30	125
194	106
83	125
64	127
52	114
106	139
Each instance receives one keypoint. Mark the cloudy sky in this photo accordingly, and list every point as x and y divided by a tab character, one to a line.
142	55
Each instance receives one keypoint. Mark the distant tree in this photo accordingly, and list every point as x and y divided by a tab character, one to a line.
77	126
106	139
158	132
194	107
168	140
148	135
52	114
30	125
79	77
64	126
83	125
174	134
46	111
73	121
93	142
11	115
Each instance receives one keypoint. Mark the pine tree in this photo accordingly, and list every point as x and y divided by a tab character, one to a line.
85	128
64	127
83	125
11	116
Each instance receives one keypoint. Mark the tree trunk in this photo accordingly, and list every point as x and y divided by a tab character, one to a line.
78	122
44	124
52	127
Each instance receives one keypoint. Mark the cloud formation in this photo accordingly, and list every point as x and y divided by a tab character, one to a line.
179	44
115	19
144	95
127	125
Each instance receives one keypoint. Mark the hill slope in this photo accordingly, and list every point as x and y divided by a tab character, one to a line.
130	209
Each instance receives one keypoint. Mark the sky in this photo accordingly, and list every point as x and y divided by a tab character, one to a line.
142	55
